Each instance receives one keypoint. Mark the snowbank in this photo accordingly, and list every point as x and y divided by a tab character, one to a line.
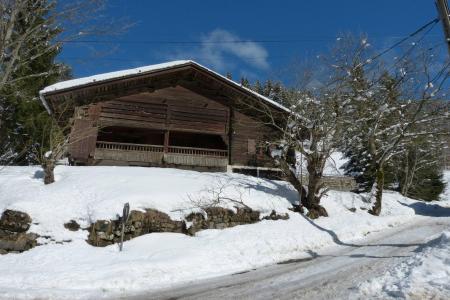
75	269
87	194
425	275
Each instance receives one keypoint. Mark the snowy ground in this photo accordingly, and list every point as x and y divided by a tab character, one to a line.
331	273
76	270
425	275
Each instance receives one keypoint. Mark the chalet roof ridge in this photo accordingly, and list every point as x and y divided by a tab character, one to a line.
104	77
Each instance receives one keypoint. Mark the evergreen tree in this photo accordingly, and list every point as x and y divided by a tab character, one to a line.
245	82
275	91
428	186
267	88
257	87
34	67
417	170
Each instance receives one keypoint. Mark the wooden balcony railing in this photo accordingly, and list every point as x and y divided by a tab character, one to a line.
187	156
129	147
197	151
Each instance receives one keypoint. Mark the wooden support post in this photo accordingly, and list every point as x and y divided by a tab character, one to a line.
230	133
166	141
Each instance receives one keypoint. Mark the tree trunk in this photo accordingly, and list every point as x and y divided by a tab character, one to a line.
315	210
379	182
410	173
292	178
49	168
310	199
404	183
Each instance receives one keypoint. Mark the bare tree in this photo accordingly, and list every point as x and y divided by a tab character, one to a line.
387	105
351	99
32	30
313	130
56	140
222	192
57	144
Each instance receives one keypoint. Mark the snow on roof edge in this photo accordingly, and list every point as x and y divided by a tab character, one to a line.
47	107
245	88
129	72
109	75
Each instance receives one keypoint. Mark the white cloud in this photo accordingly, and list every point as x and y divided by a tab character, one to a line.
220	42
220	47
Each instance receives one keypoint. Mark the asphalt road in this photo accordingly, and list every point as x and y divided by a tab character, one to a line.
330	274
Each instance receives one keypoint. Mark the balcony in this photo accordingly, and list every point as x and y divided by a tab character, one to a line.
160	155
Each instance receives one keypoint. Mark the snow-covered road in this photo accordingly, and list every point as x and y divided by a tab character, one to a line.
334	273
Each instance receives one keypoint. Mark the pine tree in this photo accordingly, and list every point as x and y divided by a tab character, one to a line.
383	119
428	186
245	82
34	68
267	88
257	87
275	91
417	170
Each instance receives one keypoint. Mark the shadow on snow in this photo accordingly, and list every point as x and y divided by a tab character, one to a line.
429	210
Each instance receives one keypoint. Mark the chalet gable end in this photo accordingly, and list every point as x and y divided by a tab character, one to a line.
177	114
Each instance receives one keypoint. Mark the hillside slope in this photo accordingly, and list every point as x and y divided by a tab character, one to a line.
67	267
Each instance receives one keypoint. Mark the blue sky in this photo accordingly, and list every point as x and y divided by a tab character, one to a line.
284	31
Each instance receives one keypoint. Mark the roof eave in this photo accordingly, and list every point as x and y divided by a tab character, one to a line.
44	102
191	63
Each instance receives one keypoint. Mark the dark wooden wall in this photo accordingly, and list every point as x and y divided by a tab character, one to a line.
83	135
248	146
175	109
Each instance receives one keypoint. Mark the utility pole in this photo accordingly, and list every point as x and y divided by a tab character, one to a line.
444	16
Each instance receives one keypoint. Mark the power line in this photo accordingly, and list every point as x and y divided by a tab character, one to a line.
404	39
437	45
433	22
414	44
189	57
199	42
189	42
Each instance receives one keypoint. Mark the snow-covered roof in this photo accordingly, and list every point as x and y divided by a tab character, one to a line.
80	82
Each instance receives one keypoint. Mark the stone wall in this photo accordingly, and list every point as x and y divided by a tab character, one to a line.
107	232
13	232
220	218
15	238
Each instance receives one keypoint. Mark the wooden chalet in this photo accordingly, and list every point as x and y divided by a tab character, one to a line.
177	114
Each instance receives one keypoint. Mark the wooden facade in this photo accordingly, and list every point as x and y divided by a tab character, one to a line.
182	116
